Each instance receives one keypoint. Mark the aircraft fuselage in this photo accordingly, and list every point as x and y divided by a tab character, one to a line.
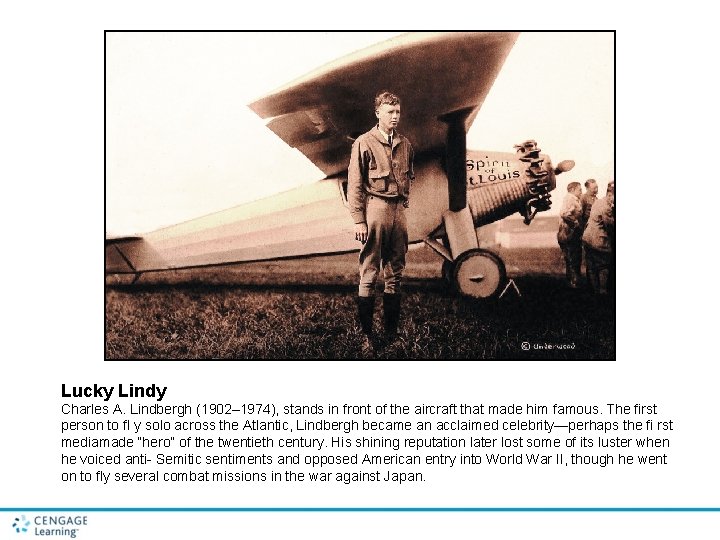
314	219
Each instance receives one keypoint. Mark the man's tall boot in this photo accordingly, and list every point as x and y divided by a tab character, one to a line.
391	312
366	307
574	280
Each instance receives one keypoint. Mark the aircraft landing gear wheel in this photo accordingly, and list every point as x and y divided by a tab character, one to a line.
479	274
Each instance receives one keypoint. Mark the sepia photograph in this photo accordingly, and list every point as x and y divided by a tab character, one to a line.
359	195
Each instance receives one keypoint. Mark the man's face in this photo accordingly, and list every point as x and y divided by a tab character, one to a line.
388	116
593	188
577	191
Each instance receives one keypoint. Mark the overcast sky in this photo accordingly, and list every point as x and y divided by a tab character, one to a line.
182	143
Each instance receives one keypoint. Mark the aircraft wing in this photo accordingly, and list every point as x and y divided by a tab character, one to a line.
109	240
322	113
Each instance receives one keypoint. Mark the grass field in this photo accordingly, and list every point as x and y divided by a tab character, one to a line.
306	309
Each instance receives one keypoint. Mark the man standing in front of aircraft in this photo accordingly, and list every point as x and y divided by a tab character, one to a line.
379	175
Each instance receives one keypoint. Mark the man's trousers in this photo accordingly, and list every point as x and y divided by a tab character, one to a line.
386	245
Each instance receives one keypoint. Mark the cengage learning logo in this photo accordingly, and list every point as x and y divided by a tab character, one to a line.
21	524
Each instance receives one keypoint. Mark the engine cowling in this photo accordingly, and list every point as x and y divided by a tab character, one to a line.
502	183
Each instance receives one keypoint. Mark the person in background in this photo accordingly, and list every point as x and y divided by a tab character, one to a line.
587	200
599	242
570	233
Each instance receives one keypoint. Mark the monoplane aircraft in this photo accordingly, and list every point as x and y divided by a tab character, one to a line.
442	80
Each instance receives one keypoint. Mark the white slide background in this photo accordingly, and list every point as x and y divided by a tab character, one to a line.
52	329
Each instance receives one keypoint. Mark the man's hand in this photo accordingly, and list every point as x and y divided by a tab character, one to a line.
361	232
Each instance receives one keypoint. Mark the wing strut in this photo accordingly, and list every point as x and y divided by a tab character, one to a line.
127	261
456	154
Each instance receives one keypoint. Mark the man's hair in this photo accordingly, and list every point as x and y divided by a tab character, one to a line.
573	185
590	181
386	97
